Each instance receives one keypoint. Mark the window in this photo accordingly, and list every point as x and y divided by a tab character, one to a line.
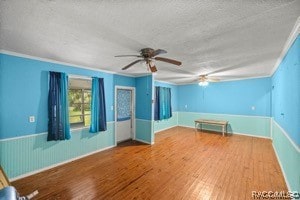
79	102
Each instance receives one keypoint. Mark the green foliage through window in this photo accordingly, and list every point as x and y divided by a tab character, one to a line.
80	106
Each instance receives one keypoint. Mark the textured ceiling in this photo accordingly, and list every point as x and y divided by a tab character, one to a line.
228	39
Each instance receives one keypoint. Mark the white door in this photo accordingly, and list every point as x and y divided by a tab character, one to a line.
124	114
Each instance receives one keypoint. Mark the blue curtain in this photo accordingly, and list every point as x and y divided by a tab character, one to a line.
157	104
162	107
58	108
98	112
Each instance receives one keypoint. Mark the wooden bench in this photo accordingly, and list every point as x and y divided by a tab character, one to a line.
212	122
9	192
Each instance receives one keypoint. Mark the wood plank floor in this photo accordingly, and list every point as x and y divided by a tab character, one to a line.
182	164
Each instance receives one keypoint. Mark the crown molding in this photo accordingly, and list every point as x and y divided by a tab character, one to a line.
170	83
228	80
11	53
127	75
292	37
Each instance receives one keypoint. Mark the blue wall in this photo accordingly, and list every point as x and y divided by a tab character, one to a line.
124	80
232	97
286	115
286	92
24	93
144	108
174	93
144	97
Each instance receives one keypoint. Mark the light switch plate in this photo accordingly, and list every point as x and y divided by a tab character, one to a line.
31	119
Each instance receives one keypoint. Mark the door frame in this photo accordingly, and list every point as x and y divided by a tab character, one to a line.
117	87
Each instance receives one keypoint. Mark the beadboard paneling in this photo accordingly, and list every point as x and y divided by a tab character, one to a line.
26	154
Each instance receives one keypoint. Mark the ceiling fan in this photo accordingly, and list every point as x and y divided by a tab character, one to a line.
218	75
148	55
205	79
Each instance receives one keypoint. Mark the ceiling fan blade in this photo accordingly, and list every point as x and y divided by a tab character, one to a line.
127	66
229	77
158	52
174	62
184	77
212	79
152	68
225	69
128	56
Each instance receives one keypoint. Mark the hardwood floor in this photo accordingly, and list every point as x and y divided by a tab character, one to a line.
182	164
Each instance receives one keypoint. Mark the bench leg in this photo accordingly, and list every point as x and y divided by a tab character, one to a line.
223	130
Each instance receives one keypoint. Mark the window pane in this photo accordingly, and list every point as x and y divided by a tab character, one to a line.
87	109
75	109
87	96
76	119
75	96
87	120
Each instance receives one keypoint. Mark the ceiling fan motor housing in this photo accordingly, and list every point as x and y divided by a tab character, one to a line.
147	52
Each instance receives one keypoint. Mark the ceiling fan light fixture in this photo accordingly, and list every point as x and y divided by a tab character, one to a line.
203	83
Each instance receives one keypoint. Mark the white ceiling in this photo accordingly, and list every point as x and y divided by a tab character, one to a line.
235	39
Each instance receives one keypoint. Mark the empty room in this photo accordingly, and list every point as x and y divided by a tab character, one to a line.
149	99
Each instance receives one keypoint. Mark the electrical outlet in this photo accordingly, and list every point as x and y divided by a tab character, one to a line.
31	119
253	107
112	107
185	106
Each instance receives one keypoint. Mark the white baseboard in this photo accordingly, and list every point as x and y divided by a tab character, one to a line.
282	170
58	164
235	133
165	129
250	135
218	114
144	141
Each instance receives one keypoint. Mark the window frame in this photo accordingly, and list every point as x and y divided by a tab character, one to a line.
82	103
